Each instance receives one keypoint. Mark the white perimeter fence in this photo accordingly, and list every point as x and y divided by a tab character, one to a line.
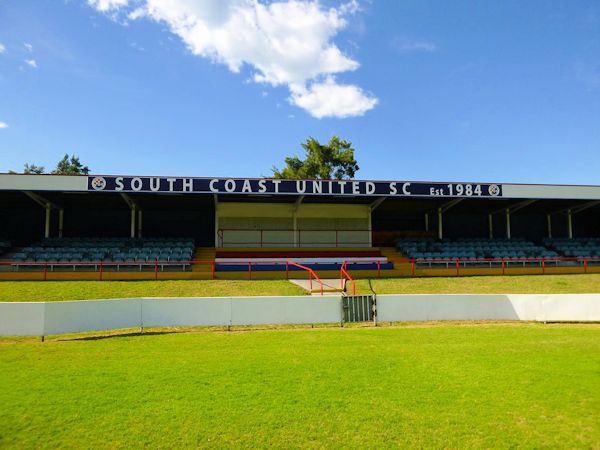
48	318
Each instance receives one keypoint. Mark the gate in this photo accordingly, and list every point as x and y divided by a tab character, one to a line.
359	308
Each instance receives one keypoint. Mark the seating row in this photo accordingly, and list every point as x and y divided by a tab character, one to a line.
107	249
472	249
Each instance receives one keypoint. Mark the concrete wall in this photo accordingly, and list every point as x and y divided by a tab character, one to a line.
556	307
45	318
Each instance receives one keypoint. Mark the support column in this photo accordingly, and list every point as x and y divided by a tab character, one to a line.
440	226
216	203
47	224
426	221
370	229
295	227
549	223
139	223
570	223
507	223
490	227
61	213
132	231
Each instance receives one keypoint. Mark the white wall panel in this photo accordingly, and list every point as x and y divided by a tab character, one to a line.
43	182
167	312
91	315
283	310
22	318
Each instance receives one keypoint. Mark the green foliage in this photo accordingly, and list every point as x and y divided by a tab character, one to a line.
33	169
413	386
332	160
70	166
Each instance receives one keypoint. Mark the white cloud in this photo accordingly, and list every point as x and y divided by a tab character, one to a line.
3	125
31	63
285	42
107	5
28	47
415	46
2	48
330	99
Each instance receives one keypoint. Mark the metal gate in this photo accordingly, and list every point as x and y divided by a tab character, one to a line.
359	308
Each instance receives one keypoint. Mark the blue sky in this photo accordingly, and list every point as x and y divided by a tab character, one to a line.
504	91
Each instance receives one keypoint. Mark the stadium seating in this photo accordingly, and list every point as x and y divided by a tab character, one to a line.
5	244
356	259
578	247
119	250
472	249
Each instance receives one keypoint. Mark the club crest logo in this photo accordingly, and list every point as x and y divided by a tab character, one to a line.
494	190
98	183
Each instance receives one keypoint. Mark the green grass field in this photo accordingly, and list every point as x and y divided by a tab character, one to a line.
526	284
83	290
13	291
440	385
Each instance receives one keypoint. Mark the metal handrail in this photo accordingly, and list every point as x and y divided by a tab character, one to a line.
345	275
296	233
311	273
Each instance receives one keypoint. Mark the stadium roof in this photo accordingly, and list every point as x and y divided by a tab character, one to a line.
256	187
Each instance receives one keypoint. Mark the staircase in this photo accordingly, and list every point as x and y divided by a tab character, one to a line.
204	254
403	267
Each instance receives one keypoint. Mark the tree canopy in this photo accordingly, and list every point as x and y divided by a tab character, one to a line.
32	168
70	166
334	160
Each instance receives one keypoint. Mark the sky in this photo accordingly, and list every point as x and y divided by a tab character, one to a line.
504	91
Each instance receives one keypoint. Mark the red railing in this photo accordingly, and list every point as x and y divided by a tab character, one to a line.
458	264
296	238
344	275
311	273
503	263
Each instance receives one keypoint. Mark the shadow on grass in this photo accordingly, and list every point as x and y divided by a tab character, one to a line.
120	335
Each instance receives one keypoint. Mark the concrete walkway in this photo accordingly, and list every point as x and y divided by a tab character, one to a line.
331	286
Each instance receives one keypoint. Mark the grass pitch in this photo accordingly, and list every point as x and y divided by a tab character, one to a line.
23	291
513	284
83	290
446	385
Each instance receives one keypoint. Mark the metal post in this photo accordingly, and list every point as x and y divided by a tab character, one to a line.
549	223
139	227
490	226
132	231
426	221
61	213
295	228
507	223
543	266
570	223
47	224
440	226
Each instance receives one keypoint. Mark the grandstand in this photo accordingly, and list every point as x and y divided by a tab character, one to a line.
127	227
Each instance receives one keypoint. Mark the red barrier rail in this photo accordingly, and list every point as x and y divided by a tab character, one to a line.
296	240
503	263
344	275
311	273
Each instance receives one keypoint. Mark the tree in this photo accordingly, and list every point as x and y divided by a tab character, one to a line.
332	160
70	166
32	168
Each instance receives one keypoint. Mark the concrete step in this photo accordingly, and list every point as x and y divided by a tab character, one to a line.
330	285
